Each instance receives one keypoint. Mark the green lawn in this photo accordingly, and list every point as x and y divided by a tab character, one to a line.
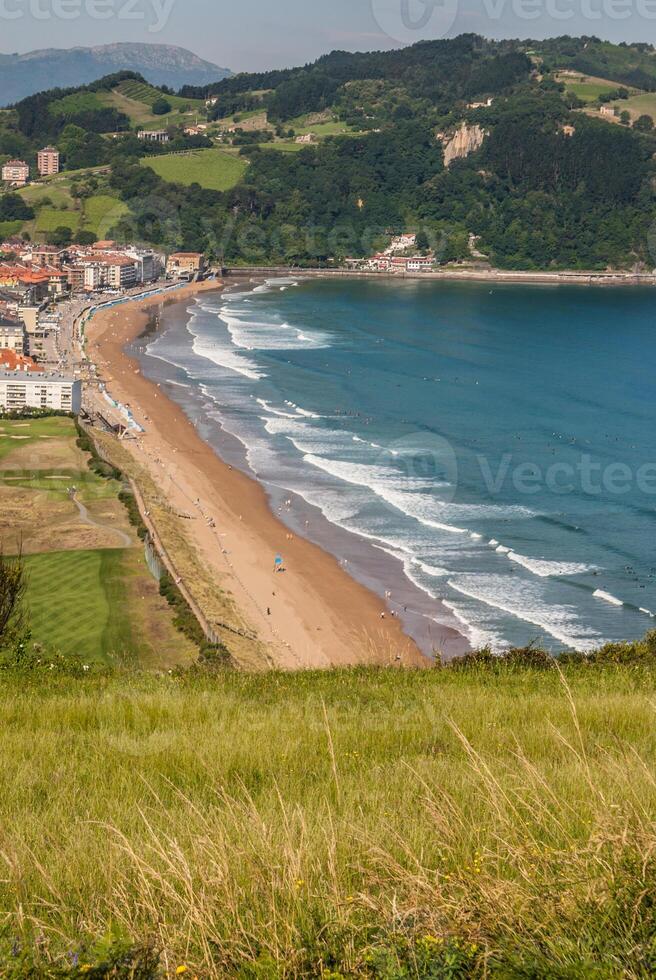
32	431
588	88
59	194
76	603
332	127
213	169
49	219
101	212
10	228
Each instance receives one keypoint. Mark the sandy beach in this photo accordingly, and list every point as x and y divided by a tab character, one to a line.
313	614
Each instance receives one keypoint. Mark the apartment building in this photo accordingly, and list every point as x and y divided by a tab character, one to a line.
53	391
16	172
12	335
48	161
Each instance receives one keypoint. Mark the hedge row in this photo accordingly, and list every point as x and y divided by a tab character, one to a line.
211	654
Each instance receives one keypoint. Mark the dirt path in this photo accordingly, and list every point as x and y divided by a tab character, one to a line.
86	519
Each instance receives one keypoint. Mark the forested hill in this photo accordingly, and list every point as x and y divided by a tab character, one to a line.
551	166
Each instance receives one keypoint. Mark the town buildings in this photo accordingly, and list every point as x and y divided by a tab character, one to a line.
386	262
16	173
185	264
48	161
39	390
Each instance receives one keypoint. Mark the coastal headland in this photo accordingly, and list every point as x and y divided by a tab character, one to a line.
313	614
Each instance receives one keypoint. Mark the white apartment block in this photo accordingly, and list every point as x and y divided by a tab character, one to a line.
53	391
16	172
12	337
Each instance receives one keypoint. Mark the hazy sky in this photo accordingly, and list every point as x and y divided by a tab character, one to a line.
253	34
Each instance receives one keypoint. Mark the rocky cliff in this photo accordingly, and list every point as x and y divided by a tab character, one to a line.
464	141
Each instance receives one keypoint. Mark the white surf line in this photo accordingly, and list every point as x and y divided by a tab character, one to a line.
614	601
607	597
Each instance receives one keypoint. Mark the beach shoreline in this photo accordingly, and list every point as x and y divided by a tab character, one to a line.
312	616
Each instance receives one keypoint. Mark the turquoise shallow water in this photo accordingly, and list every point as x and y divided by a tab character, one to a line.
486	455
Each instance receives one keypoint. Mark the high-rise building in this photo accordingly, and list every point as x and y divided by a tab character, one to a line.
48	161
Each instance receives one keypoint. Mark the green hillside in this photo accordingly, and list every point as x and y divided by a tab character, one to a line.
585	87
627	64
549	185
136	98
213	169
353	824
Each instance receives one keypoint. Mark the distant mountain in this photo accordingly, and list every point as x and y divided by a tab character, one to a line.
160	64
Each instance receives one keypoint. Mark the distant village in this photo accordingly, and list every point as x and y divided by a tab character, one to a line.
38	282
397	257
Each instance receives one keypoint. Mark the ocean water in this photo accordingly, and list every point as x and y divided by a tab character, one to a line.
484	455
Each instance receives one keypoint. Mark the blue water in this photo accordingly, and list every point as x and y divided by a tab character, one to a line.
486	455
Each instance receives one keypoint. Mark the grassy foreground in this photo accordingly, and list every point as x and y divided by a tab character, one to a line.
496	821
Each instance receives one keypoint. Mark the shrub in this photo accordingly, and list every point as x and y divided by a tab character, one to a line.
161	107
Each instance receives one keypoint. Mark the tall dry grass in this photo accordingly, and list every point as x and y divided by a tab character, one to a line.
368	823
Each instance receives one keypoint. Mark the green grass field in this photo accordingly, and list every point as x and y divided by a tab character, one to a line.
638	105
58	193
332	127
588	88
101	212
49	219
213	169
10	228
84	613
31	432
348	824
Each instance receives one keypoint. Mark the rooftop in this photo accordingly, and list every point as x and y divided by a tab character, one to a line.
40	379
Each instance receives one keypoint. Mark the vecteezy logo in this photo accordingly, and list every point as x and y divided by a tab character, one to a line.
422	463
408	21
